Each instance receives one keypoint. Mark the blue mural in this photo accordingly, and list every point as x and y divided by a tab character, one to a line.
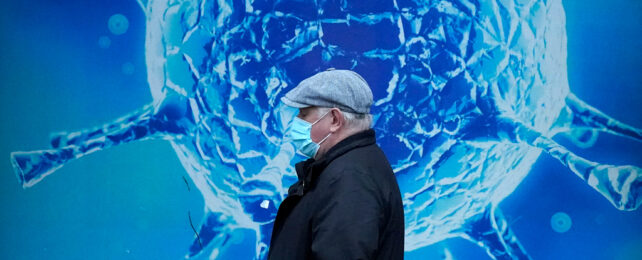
468	94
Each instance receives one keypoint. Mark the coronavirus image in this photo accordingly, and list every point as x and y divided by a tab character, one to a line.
512	126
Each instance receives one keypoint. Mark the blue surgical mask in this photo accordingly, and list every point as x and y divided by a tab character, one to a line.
299	135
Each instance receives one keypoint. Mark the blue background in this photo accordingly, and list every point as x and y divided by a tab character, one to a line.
131	201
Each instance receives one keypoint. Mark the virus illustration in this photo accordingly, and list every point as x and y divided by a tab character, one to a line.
467	95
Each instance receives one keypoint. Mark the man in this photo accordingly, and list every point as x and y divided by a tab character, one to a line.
346	203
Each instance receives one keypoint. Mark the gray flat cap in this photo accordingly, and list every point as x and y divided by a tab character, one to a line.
343	89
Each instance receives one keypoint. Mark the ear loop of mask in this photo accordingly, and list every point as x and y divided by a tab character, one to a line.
326	113
326	137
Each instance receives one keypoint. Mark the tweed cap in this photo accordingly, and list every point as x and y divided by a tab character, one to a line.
343	89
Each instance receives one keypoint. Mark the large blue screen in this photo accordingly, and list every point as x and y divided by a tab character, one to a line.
513	126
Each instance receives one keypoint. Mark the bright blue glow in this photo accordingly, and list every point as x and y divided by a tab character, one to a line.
104	42
441	91
561	222
118	24
128	68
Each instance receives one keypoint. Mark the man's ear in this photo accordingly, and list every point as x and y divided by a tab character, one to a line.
337	120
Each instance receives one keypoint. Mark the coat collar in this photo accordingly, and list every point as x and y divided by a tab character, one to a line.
308	170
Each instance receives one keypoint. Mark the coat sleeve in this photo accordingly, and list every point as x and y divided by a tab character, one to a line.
348	219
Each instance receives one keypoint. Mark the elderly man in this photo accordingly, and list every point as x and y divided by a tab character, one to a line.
346	203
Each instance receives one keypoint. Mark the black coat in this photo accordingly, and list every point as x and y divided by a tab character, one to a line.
347	205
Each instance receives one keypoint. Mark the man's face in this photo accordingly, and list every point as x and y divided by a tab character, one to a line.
319	130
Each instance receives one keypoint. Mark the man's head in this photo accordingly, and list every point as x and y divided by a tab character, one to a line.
336	103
